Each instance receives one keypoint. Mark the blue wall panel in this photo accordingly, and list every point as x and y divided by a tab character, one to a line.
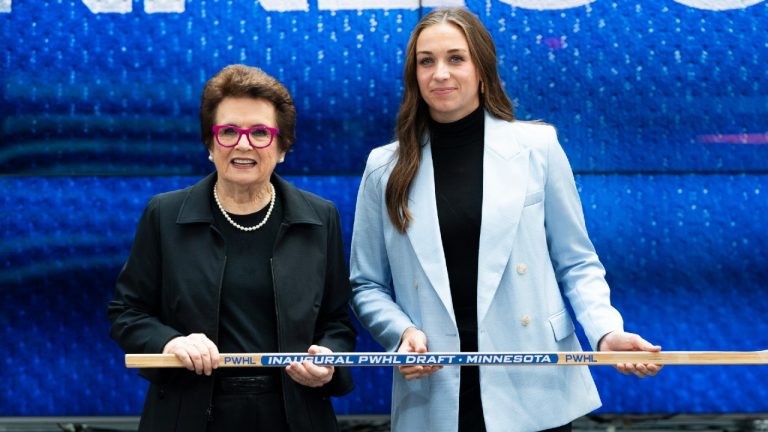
662	108
634	86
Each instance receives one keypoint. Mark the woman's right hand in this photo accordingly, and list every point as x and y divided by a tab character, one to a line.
415	341
196	351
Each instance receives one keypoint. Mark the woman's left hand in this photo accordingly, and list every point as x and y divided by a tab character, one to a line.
308	374
623	341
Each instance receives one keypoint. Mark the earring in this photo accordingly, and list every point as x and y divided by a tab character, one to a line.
210	157
282	159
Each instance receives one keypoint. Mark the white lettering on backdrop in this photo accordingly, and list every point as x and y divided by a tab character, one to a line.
178	6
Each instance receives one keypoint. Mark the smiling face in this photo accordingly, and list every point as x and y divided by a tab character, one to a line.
242	165
447	77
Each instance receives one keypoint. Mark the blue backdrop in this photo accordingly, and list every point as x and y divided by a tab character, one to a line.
661	106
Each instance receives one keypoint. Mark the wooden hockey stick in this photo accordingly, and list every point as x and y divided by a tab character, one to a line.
465	359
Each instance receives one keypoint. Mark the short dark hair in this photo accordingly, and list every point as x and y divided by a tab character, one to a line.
248	81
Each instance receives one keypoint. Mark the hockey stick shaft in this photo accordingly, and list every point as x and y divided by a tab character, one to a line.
465	359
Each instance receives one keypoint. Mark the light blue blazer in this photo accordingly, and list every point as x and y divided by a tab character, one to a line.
532	237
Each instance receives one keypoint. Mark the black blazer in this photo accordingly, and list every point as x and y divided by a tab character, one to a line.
170	287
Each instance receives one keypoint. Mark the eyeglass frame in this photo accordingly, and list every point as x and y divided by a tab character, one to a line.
273	132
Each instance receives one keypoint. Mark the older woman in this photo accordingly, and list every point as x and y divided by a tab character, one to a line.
465	229
242	261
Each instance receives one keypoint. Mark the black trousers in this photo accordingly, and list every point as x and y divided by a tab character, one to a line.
470	405
252	403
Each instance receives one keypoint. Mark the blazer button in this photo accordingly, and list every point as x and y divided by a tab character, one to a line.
522	268
525	320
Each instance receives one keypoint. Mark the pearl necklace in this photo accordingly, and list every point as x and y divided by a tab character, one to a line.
235	224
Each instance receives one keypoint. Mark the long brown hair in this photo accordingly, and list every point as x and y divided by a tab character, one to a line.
413	117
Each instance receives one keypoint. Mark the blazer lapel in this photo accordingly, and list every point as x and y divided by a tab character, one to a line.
505	178
424	230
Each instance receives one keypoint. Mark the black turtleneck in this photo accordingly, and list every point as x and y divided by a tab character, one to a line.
457	157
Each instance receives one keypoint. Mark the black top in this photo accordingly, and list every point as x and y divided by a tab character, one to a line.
247	318
457	157
170	286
